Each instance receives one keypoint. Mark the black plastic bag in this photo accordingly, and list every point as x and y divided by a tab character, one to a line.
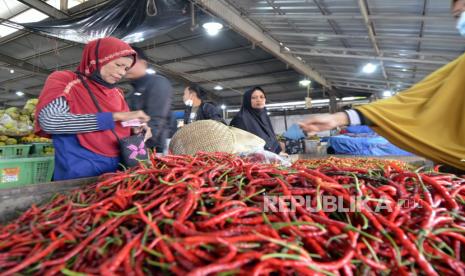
130	20
133	150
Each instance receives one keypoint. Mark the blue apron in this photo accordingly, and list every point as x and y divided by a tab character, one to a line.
74	161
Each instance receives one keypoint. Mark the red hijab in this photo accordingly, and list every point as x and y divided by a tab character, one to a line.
67	84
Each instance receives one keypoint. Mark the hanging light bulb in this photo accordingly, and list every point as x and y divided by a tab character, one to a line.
369	68
305	82
387	93
212	28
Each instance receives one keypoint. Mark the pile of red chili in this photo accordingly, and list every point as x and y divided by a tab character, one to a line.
363	163
218	214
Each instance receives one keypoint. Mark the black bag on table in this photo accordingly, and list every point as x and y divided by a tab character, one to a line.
295	146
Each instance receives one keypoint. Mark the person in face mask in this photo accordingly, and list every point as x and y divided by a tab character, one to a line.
426	119
84	136
458	11
196	107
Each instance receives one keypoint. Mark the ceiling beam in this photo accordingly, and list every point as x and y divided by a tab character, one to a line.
345	16
229	66
172	42
275	93
366	57
45	8
295	81
366	37
86	6
435	54
371	34
254	33
248	76
367	80
371	87
204	55
331	22
422	28
17	63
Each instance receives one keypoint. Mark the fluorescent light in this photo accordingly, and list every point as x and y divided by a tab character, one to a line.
285	104
12	71
19	93
137	94
369	68
305	82
223	107
287	49
150	71
387	93
212	28
302	104
218	87
404	70
299	58
268	113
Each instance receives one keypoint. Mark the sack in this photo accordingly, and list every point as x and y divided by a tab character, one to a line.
133	150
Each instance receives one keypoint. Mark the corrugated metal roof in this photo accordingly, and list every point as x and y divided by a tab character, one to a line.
411	39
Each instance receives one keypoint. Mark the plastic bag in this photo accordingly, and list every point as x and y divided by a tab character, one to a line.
130	20
265	157
15	127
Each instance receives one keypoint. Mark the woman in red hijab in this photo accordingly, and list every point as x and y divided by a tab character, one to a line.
83	137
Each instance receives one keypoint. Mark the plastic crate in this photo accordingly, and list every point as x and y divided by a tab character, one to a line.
41	149
24	171
14	151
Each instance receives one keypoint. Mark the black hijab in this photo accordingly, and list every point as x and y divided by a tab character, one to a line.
256	121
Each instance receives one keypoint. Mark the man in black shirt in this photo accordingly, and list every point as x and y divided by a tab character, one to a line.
153	94
196	107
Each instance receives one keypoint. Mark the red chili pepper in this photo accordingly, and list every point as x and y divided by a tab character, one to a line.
40	255
112	265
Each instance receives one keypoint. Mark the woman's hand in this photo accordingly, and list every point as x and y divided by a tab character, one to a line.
131	115
324	122
148	131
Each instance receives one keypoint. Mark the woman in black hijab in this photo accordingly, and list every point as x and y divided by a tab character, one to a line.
253	118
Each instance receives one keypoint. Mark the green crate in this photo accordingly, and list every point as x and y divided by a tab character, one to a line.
24	171
41	149
14	151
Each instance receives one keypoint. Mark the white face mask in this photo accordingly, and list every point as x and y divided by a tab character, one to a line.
188	102
461	24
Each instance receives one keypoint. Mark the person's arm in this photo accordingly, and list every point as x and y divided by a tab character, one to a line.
357	118
56	118
324	122
157	105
